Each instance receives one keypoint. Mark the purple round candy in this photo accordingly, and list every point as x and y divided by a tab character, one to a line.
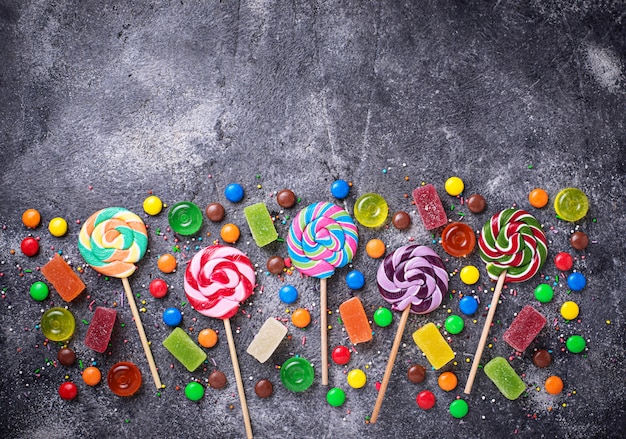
413	275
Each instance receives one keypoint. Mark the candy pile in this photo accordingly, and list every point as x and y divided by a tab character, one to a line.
322	239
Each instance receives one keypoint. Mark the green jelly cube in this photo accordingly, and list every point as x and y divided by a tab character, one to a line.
505	378
184	349
261	224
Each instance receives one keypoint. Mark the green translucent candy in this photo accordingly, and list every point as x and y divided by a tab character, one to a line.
297	374
184	349
261	224
185	218
505	378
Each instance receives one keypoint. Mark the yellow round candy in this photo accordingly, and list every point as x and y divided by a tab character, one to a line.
454	186
152	205
356	378
57	227
569	310
469	275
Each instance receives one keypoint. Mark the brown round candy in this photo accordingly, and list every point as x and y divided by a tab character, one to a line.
263	388
476	203
417	373
66	357
286	198
217	379
401	220
542	358
579	240
215	212
275	265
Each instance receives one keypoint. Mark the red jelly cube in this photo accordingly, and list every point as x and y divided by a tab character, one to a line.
429	207
524	328
100	328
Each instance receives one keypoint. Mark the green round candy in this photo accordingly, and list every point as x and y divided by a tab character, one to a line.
58	324
185	218
454	324
575	344
336	397
371	210
544	293
383	317
39	291
194	391
459	408
297	374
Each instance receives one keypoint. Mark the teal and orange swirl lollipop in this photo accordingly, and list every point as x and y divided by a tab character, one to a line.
111	241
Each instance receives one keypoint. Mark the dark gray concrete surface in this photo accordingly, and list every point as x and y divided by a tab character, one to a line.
102	103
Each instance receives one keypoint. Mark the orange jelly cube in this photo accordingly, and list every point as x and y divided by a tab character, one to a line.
355	321
63	279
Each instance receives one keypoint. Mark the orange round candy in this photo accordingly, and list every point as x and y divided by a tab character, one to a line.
230	233
207	338
458	239
31	218
538	198
554	385
301	318
447	381
167	263
375	248
92	376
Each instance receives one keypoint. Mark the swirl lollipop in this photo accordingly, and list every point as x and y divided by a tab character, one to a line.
413	279
514	248
218	279
322	237
111	241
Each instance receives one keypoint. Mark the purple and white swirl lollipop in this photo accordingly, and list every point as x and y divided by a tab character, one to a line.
413	276
414	280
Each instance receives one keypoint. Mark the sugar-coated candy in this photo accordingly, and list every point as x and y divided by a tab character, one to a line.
68	391
371	210
275	264
341	355
264	388
57	227
286	198
172	316
576	281
230	233
215	212
267	340
454	324
185	218
217	379
355	280
234	192
538	198
542	358
288	294
152	205
375	248
340	189
29	246
416	373
158	288
167	263
454	186
553	385
66	356
579	240
476	203
181	346
425	400
356	378
31	218
100	329
544	293
39	291
524	328
194	391
563	261
355	320
401	220
58	324
92	376
336	397
124	378
301	318
575	344
447	381
207	338
430	341
571	204
383	317
469	275
569	310
429	207
459	408
468	305
297	374
261	224
505	378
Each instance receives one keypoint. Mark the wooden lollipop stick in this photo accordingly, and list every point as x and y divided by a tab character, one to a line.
142	335
242	395
390	362
324	330
485	333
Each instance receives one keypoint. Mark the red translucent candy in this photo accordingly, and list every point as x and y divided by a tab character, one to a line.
524	328
100	328
429	207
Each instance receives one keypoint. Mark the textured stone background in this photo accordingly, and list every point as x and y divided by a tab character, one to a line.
103	102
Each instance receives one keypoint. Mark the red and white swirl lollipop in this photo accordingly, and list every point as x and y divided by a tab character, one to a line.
514	248
413	279
217	280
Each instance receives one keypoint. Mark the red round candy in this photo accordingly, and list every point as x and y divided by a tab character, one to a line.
68	391
30	246
563	261
158	288
341	355
425	399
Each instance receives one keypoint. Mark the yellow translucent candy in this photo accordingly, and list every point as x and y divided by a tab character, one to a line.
431	342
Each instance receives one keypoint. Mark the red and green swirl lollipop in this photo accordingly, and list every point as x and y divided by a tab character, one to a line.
514	248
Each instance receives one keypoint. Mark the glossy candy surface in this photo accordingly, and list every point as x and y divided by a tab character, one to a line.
124	379
571	204
58	324
371	210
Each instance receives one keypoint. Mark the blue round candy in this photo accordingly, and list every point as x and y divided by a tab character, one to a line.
172	317
288	294
355	280
468	305
234	192
576	281
340	189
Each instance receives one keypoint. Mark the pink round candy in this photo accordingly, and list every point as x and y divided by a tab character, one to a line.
217	280
413	275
